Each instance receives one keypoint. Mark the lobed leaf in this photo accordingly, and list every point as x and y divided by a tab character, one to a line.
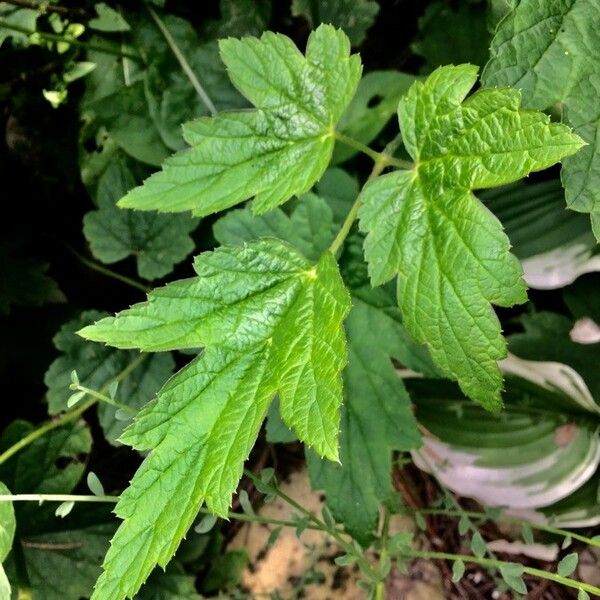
272	153
271	323
450	253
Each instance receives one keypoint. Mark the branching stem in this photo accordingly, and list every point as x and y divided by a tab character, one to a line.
53	37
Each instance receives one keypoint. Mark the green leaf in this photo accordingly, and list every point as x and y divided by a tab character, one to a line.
7	524
240	18
568	564
478	546
108	19
353	16
94	484
310	228
339	189
97	367
550	51
376	419
373	105
458	570
226	572
583	595
20	17
512	576
157	241
271	323
172	584
451	34
450	253
274	152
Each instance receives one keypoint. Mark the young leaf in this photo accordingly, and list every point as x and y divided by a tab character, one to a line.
157	241
8	524
512	576
550	51
271	323
458	570
450	253
478	546
568	564
353	16
95	484
274	152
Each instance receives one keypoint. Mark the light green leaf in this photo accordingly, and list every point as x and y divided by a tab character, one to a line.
271	323
450	253
7	524
353	16
568	564
310	228
20	17
376	419
550	51
108	19
373	105
274	152
96	367
512	576
157	241
458	570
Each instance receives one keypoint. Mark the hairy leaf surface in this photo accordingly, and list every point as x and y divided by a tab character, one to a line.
450	253
270	322
274	152
550	50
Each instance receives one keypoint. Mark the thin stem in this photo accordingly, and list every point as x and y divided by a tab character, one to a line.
385	156
109	272
382	160
364	565
45	7
106	399
55	498
66	417
185	65
507	519
52	37
384	555
490	562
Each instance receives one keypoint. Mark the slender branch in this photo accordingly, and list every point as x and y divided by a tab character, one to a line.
385	156
507	519
106	399
109	272
490	562
53	37
384	554
48	8
382	160
66	417
55	498
185	65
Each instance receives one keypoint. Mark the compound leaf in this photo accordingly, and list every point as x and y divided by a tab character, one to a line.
424	224
271	322
157	241
274	152
550	51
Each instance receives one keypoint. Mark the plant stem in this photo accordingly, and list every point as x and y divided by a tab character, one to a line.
106	399
382	160
383	555
52	37
385	156
507	519
55	498
45	7
185	65
109	272
66	417
490	562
